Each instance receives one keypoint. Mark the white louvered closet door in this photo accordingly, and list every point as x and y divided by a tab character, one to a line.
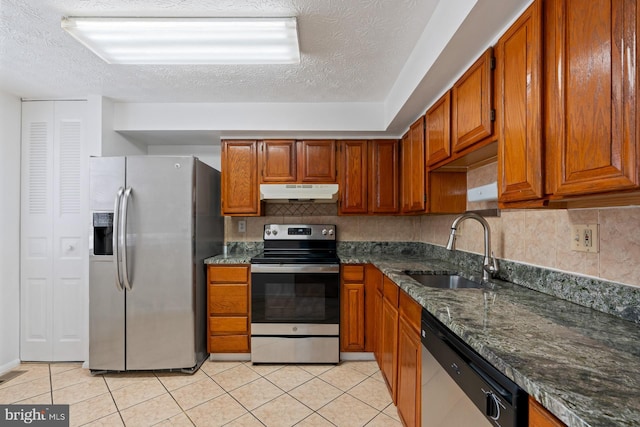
54	227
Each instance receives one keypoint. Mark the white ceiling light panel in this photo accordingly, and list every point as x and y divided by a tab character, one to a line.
188	40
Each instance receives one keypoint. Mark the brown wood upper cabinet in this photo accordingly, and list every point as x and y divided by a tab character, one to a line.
591	96
472	104
239	182
519	88
353	177
413	171
286	161
317	161
384	187
438	130
278	161
368	175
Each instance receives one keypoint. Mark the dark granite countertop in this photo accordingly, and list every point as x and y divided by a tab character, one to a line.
581	364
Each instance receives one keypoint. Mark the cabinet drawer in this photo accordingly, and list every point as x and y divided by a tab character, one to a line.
229	344
410	310
390	291
353	273
229	299
226	274
229	325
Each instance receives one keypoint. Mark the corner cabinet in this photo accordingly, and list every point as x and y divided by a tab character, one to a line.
228	309
240	190
591	96
519	88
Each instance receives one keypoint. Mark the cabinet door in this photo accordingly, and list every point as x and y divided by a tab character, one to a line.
438	130
540	417
409	373
353	177
414	195
352	313
317	161
389	346
472	103
384	187
372	282
591	95
278	161
239	163
518	76
352	308
377	347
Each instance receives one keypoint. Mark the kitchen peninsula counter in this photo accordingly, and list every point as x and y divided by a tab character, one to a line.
581	364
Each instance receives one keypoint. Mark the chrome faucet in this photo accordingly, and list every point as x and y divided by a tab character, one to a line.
489	265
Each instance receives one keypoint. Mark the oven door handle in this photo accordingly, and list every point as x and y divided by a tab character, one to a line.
295	268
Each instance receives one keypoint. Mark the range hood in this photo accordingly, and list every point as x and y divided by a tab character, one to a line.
285	193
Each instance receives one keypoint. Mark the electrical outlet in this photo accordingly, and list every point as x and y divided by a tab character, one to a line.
242	226
585	238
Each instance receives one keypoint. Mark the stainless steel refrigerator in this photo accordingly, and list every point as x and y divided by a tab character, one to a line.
154	221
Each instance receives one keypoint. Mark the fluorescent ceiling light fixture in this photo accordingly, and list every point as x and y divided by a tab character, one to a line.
188	40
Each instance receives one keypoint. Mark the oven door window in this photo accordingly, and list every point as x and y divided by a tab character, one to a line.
295	298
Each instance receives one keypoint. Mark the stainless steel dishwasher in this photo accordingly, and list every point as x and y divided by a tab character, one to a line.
460	388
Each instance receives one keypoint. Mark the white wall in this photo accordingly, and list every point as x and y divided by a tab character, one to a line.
102	139
209	154
10	107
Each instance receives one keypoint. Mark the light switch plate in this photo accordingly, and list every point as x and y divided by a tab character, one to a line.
585	238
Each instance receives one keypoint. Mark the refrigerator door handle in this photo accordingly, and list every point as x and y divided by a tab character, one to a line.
116	239
123	232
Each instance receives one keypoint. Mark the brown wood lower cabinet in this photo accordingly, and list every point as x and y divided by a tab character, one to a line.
409	361
389	336
540	417
228	308
352	307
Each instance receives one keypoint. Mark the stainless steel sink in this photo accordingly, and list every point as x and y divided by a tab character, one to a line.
444	281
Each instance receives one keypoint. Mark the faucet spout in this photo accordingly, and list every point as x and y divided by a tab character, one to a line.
490	264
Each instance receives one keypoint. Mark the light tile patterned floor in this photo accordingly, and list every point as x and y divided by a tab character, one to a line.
219	394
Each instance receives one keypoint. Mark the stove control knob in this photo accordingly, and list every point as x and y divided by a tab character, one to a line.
324	231
267	231
275	232
331	232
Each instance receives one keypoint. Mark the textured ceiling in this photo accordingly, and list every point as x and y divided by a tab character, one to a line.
351	51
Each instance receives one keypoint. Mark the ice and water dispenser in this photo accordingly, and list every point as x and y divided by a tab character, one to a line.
103	233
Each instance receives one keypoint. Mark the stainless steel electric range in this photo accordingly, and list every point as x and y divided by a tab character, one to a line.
295	296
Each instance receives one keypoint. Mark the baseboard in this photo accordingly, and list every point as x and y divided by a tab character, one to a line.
356	355
230	357
9	366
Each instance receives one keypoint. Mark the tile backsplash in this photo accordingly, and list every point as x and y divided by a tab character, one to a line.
537	237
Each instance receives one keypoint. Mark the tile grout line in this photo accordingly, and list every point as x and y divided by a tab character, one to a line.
51	383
